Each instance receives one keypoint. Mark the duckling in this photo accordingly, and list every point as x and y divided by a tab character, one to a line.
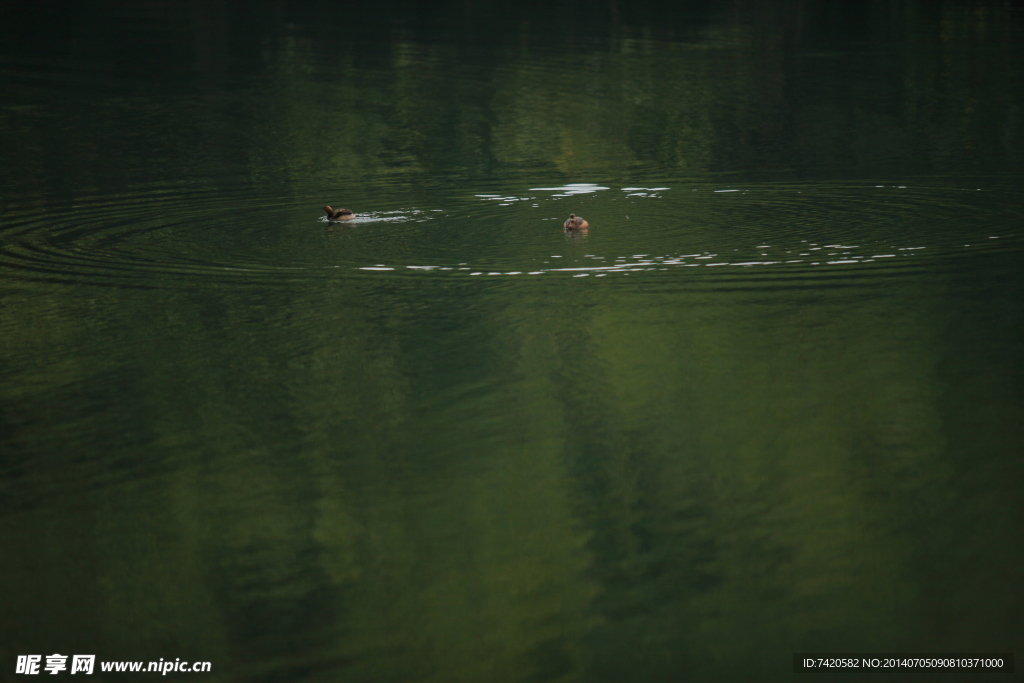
339	214
576	223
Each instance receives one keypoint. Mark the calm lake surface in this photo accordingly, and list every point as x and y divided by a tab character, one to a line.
772	401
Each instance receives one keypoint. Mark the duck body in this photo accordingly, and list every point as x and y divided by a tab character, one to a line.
338	214
575	223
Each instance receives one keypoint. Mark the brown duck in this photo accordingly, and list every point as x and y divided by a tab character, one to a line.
339	214
576	223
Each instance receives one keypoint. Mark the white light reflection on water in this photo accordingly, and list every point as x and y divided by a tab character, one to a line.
571	189
641	262
776	252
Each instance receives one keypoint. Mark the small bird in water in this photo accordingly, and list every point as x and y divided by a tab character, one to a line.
576	223
338	214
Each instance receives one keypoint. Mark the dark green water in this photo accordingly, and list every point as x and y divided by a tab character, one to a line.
772	402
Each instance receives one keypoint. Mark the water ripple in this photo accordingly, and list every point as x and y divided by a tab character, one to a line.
762	235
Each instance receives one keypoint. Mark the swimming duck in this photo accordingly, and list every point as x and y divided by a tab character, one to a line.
339	214
576	223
